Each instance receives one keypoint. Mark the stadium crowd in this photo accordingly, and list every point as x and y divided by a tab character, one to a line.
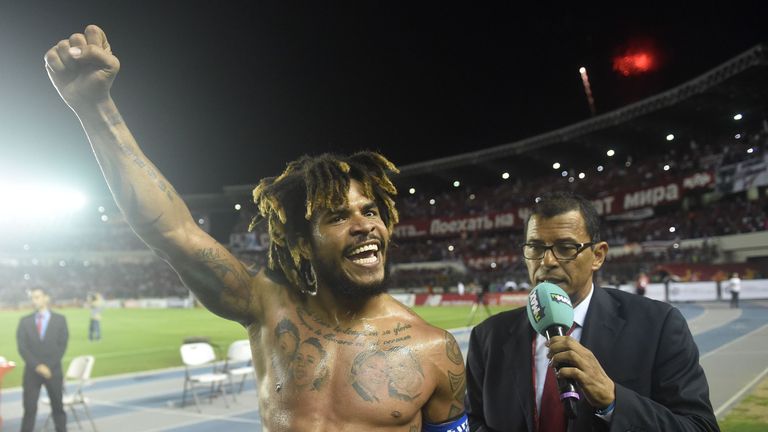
109	258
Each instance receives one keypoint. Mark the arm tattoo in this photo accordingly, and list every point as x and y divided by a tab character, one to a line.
211	258
452	349
147	168
458	385
114	118
455	412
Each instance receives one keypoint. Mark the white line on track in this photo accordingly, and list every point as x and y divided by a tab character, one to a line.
227	416
722	347
740	393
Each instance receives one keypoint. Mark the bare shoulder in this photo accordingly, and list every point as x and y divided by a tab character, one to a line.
264	291
435	343
443	367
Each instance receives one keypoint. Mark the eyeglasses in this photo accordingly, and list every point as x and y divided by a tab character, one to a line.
561	251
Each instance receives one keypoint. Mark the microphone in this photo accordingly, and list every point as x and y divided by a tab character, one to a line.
551	314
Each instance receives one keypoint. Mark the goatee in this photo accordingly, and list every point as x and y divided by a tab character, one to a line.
343	288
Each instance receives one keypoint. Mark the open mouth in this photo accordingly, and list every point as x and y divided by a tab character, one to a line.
365	254
552	280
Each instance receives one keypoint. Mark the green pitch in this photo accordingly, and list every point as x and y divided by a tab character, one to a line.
145	339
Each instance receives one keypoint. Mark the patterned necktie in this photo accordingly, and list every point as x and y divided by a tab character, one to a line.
39	322
552	413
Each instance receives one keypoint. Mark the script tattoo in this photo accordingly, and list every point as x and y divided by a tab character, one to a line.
167	189
350	336
452	349
114	118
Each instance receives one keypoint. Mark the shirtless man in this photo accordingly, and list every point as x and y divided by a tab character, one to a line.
330	219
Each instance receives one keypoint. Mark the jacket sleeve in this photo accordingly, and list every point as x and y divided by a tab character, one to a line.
475	370
680	393
23	345
62	340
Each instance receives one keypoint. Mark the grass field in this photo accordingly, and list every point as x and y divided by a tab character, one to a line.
144	339
751	415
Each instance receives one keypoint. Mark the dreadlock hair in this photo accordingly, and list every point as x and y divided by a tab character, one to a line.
288	201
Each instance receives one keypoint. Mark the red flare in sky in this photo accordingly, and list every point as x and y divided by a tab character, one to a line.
634	63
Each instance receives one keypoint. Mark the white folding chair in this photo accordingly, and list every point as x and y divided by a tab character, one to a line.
239	363
79	372
201	354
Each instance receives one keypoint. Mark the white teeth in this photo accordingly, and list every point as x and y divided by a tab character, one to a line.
366	248
369	260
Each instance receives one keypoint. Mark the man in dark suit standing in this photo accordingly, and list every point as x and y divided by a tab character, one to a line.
42	340
632	359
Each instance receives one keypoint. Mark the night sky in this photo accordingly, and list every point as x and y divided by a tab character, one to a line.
224	93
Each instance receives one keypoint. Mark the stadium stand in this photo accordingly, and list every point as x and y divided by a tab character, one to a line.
683	196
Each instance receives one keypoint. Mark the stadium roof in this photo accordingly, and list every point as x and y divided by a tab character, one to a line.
701	109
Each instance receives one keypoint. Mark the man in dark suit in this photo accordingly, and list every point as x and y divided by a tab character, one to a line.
633	360
42	340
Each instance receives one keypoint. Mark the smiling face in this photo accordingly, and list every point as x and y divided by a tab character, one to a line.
574	276
405	372
348	246
305	364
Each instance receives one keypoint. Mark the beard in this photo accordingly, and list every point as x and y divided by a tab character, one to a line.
344	288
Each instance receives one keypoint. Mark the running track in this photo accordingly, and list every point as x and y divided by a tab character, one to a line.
733	344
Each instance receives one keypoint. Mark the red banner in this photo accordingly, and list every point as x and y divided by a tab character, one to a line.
613	204
493	299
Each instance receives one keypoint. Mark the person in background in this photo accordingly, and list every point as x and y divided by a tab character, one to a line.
482	299
734	286
641	284
42	338
95	303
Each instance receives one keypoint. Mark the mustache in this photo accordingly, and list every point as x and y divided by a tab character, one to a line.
365	238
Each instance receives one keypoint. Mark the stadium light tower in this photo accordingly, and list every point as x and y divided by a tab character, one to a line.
35	203
587	89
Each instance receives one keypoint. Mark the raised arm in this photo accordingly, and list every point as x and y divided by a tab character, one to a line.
83	68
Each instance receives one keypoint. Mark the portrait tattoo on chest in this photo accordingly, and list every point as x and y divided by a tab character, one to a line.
382	369
393	373
303	362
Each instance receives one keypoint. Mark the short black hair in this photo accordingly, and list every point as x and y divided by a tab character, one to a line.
286	326
554	204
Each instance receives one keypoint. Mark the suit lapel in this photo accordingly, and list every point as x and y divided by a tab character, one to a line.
602	328
518	349
31	328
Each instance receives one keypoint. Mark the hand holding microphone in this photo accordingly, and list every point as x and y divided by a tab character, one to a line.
551	314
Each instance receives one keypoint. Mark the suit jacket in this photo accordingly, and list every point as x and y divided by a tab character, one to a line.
48	351
643	345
